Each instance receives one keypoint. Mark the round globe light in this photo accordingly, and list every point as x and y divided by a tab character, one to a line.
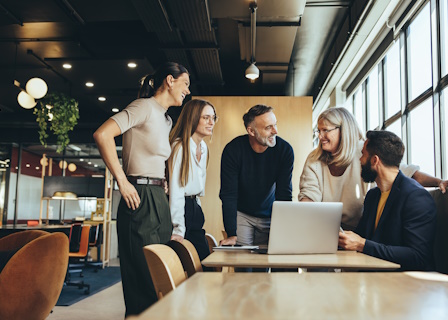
36	87
72	167
63	164
25	100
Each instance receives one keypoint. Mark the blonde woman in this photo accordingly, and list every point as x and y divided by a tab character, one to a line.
332	171
187	164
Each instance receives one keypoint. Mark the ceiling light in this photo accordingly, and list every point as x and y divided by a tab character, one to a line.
81	159
89	84
132	64
25	100
67	66
37	168
36	87
252	72
102	98
115	109
28	165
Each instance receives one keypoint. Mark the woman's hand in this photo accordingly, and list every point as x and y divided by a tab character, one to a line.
129	194
177	238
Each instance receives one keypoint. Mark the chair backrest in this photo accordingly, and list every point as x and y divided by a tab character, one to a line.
165	268
211	241
83	243
188	256
32	279
441	238
75	237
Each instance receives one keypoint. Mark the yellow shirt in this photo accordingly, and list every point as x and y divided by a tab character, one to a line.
381	204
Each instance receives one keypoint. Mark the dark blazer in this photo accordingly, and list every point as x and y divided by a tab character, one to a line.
406	229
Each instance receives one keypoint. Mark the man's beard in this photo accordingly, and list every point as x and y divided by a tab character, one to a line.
367	173
264	141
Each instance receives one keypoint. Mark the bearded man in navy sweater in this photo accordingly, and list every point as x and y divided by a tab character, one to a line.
256	170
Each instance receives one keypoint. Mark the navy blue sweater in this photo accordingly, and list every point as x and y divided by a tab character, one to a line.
250	181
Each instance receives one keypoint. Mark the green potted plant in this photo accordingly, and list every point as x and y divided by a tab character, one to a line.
62	113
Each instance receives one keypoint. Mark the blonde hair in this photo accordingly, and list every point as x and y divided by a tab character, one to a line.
180	136
350	132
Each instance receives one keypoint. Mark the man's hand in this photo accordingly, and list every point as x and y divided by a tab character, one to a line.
177	238
351	241
443	185
230	241
129	194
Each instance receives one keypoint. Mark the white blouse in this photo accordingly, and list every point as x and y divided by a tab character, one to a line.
195	184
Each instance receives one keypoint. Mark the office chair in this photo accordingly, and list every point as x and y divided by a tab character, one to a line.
188	256
32	279
165	268
77	256
95	241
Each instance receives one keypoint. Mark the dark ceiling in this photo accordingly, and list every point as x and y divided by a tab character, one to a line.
296	44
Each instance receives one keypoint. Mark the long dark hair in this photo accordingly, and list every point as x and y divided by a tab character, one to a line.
152	82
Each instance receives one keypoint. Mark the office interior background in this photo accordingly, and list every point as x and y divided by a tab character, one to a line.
385	61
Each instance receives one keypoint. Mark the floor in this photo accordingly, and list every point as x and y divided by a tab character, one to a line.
105	305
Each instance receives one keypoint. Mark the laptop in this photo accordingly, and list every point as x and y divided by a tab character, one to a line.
304	227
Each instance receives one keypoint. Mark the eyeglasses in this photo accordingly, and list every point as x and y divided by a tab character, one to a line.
324	132
208	118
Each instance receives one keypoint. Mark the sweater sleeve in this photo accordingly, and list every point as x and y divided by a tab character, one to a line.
408	169
229	189
310	181
177	196
283	188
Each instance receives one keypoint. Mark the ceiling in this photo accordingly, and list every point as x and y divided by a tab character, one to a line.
295	44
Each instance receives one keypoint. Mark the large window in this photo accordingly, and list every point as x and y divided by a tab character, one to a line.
444	36
419	54
392	80
357	108
422	137
445	122
372	98
401	93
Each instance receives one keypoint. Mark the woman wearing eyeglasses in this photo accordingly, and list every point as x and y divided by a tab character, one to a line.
332	171
187	165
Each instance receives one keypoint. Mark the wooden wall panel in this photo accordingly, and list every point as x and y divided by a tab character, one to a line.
294	117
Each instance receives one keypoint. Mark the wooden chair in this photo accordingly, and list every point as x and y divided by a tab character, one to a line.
165	268
80	254
212	243
188	256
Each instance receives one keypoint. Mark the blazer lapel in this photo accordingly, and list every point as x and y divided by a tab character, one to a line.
370	211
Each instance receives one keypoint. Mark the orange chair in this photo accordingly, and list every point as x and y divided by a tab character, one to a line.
188	255
32	279
80	254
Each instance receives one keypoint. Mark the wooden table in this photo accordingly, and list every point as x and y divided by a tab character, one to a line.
283	296
347	260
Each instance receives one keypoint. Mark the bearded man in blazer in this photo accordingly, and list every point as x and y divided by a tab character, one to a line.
399	217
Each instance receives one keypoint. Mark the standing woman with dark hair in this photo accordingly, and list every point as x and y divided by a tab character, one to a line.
187	165
143	214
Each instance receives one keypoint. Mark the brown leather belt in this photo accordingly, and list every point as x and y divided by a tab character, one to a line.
146	181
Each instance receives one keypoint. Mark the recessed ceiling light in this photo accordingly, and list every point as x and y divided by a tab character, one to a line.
89	84
37	168
132	64
67	66
102	98
27	165
81	159
115	109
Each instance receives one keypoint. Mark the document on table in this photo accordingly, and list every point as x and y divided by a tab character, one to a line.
235	248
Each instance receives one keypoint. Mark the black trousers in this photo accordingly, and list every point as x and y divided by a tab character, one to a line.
194	222
150	223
